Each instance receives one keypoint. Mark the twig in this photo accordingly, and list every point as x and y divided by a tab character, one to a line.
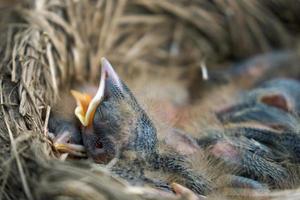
47	120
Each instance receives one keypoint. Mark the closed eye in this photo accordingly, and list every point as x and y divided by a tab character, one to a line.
99	144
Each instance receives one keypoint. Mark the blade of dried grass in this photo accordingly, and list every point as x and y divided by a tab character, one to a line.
52	68
143	19
137	49
119	9
14	67
46	121
103	34
79	50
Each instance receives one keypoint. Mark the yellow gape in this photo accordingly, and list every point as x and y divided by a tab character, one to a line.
82	100
86	105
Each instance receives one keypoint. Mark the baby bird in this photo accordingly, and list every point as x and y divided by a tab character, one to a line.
274	104
116	131
112	121
66	136
261	136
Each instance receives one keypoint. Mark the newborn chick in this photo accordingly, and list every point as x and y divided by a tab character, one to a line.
63	127
274	104
114	126
261	137
66	136
113	121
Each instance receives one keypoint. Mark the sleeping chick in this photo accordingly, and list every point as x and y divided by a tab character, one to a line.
274	104
66	136
261	135
115	127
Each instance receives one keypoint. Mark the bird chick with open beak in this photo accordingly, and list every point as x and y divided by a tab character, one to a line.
112	121
114	125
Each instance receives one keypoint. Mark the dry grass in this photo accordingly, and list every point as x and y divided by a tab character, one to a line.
50	44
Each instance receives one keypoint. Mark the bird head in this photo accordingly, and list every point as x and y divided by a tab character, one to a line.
112	120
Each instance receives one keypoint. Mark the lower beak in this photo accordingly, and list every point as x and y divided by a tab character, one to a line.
73	149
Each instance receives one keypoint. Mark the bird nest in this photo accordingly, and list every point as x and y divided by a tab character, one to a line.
47	45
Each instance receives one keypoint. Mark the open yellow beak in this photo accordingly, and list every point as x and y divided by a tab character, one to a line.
86	105
82	100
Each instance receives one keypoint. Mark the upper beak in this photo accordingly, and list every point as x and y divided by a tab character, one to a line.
86	106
